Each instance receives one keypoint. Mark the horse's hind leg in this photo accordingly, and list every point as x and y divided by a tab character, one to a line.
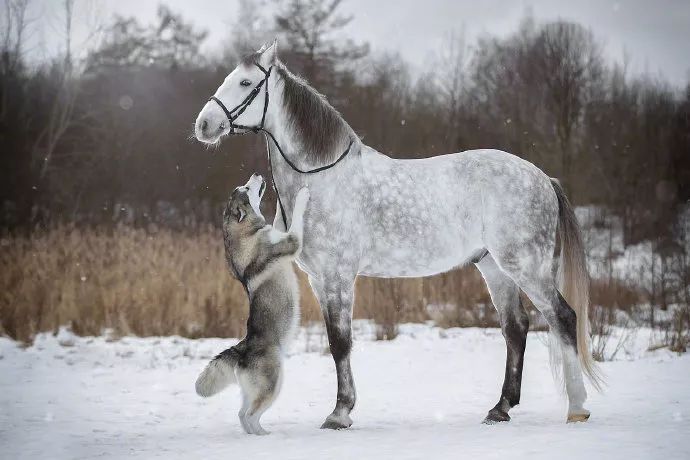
533	274
562	322
505	296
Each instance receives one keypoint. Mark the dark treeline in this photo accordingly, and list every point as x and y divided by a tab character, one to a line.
108	138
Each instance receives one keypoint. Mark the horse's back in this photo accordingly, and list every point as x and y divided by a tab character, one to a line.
495	164
429	215
512	197
489	164
519	204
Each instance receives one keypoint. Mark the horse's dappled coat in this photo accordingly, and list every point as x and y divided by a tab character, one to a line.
374	215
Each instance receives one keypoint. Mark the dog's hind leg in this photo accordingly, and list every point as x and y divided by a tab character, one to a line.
242	414
505	296
260	387
256	410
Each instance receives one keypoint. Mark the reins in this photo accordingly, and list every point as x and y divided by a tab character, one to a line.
239	109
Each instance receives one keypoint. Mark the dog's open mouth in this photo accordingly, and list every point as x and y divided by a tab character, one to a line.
256	187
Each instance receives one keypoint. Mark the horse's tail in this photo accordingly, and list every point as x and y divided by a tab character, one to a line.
574	280
218	374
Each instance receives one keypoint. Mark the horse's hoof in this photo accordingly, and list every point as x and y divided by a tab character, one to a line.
578	417
496	416
337	422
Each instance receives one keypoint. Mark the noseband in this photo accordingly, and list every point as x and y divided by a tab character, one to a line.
239	109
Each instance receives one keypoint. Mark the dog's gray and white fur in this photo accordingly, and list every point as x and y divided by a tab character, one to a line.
260	257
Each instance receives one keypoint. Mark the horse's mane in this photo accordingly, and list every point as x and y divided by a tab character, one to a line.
322	131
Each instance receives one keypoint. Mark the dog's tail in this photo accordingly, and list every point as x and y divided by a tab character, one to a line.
218	374
574	281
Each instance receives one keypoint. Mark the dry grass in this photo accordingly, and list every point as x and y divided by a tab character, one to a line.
131	280
615	293
162	282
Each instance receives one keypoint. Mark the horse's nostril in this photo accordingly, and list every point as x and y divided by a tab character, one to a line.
204	125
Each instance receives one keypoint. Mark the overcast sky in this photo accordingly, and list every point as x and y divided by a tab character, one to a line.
654	33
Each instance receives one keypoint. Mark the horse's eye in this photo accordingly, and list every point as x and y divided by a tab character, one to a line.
245	82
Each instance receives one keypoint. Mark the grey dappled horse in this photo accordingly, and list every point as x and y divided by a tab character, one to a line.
373	215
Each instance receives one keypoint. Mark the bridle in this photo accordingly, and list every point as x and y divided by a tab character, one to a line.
239	109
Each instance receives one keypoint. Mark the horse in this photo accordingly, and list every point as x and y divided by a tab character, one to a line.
377	216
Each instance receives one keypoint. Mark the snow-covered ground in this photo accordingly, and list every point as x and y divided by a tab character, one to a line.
422	395
638	264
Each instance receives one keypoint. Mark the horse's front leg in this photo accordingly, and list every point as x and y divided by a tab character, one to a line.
278	223
336	296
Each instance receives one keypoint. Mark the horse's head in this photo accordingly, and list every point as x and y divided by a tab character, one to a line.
239	104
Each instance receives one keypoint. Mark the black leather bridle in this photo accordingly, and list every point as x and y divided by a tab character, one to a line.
239	109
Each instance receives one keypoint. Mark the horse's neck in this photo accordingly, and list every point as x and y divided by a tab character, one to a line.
280	169
284	137
299	146
285	180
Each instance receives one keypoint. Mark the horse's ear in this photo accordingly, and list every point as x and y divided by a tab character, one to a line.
269	54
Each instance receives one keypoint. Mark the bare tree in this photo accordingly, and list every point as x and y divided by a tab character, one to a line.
312	29
387	83
170	42
248	32
506	98
569	63
62	108
452	78
14	25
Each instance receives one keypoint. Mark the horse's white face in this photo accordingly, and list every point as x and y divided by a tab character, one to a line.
212	123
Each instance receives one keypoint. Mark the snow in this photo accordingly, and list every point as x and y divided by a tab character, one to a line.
603	237
422	395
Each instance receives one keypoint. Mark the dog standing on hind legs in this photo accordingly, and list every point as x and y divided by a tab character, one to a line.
260	257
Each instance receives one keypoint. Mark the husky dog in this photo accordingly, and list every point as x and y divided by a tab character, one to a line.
260	257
